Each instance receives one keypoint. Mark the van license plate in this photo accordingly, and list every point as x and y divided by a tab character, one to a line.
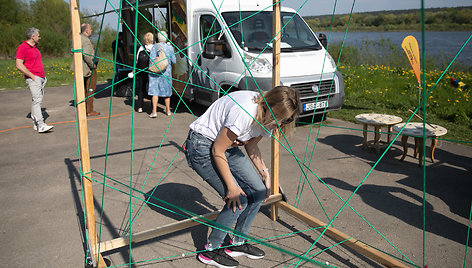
315	105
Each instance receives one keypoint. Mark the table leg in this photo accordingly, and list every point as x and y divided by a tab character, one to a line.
419	146
405	146
434	142
364	143
377	138
390	128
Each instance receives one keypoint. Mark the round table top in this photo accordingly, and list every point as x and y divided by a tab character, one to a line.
416	129
378	119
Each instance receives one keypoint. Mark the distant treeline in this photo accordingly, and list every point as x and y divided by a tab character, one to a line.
436	19
51	17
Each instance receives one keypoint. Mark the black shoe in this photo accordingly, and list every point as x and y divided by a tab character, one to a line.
218	258
247	250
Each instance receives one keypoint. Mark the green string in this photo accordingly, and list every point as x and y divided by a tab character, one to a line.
300	163
188	214
468	235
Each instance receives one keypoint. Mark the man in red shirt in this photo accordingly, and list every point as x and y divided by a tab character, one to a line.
28	61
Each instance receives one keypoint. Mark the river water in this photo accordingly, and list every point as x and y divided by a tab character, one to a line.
444	44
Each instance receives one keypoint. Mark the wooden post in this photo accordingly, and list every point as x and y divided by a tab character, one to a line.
275	82
169	228
339	236
83	132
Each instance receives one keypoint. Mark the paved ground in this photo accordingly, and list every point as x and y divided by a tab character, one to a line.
40	196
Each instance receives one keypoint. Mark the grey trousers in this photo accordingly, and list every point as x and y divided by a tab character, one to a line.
36	88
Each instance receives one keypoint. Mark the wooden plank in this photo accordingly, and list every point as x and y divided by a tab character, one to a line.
275	82
83	132
339	236
167	229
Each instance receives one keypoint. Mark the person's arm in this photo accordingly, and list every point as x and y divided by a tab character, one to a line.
88	53
255	155
20	65
172	58
222	142
121	53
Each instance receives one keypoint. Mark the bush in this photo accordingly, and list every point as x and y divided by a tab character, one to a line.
11	36
52	44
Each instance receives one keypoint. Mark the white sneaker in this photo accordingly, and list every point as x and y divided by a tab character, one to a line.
153	115
35	127
44	128
140	110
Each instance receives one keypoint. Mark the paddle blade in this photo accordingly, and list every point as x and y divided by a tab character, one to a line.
410	45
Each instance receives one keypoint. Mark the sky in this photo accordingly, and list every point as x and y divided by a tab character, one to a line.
314	7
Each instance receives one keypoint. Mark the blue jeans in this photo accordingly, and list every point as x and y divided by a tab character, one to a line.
200	159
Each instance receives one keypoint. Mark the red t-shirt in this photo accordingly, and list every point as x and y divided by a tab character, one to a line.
32	58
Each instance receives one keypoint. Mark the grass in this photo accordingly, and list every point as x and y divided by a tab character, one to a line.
58	73
370	88
382	89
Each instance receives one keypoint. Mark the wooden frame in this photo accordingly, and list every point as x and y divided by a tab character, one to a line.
275	200
83	133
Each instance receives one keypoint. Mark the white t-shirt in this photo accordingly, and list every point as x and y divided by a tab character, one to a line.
236	111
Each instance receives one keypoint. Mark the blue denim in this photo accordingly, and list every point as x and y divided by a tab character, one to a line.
200	159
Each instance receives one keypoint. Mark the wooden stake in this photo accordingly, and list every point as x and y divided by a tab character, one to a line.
83	132
169	228
409	110
275	82
339	236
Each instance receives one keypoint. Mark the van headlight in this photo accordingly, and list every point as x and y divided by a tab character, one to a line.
260	65
333	63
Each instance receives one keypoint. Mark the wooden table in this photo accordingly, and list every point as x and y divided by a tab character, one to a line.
416	130
378	121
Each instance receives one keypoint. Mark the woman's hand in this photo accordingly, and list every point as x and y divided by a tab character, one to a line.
232	197
267	182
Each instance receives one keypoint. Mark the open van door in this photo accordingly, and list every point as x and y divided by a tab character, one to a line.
211	63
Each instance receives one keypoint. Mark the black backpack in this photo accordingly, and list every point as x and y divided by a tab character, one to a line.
143	59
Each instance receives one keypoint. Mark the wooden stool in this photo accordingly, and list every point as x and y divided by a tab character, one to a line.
416	130
377	121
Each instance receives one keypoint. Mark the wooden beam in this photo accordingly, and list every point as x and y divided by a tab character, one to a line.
275	82
167	229
339	236
83	132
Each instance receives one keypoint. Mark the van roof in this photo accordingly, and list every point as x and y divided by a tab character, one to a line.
233	5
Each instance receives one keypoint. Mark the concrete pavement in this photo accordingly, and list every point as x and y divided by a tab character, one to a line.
42	217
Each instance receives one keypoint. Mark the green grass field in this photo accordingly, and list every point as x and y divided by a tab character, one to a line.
58	73
369	89
382	89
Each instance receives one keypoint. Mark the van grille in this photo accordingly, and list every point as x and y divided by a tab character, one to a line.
307	94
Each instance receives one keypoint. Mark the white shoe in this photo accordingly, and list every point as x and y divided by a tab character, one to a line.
35	127
153	115
140	110
44	128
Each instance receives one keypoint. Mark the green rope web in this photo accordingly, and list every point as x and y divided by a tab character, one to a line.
138	198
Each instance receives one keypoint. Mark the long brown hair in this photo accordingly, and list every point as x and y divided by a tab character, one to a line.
284	102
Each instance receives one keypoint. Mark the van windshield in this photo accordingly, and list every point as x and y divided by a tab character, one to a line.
253	31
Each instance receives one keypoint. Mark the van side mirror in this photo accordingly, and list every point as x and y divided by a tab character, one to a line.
323	39
213	48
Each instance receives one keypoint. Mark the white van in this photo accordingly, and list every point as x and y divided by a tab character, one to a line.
215	40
